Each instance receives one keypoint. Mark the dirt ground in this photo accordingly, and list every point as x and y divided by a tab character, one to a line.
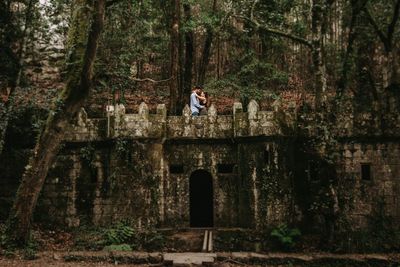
49	260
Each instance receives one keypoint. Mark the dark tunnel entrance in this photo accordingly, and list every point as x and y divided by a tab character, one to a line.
201	199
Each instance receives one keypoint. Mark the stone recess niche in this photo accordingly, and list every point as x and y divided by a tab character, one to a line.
244	170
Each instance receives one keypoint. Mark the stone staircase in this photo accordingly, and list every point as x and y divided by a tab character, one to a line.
204	258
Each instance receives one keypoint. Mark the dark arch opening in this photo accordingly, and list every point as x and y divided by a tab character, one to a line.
201	199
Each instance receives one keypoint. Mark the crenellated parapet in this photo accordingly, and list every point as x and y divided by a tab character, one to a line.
144	124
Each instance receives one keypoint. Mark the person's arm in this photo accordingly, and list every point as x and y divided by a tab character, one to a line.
196	102
201	97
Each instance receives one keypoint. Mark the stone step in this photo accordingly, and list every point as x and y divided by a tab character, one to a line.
188	259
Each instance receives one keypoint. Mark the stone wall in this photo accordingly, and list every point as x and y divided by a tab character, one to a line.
137	167
160	126
366	194
136	180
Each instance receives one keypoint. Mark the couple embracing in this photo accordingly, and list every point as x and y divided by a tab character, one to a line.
199	101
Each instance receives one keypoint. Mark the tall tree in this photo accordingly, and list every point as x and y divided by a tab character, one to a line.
189	50
319	17
356	8
316	44
391	68
205	56
83	38
175	82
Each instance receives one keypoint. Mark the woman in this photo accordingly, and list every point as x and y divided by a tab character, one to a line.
205	101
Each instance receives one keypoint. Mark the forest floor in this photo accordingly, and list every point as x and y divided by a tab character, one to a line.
88	258
65	249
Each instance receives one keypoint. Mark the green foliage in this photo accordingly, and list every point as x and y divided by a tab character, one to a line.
121	247
30	253
119	237
87	154
286	236
10	248
119	234
89	238
123	150
152	240
251	79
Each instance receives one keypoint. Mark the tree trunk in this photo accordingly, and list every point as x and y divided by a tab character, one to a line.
319	16
175	58
391	68
205	57
356	7
189	52
67	106
391	71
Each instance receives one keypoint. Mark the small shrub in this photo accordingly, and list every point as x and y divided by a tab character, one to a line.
119	234
30	254
153	240
286	236
121	247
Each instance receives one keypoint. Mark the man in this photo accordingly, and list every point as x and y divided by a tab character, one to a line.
195	106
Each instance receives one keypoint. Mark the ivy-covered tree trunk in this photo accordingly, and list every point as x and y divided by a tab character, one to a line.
174	85
82	44
319	20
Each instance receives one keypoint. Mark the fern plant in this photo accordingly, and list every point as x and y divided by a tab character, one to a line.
119	234
286	236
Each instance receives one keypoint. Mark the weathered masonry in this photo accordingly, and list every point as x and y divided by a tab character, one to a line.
168	171
241	170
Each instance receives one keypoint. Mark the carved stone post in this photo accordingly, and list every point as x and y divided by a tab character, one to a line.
119	115
252	110
212	121
239	122
162	113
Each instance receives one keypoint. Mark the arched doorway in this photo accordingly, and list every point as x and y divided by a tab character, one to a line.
201	199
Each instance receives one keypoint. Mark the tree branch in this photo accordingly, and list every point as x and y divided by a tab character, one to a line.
378	31
392	24
286	35
252	10
278	32
151	80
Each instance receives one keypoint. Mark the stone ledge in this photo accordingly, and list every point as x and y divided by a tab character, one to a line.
243	258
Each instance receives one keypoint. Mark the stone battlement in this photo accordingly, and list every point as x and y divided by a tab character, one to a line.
120	124
253	123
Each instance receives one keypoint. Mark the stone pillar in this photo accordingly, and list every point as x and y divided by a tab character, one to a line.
144	111
82	118
239	120
72	220
143	128
187	118
118	121
162	113
252	110
212	121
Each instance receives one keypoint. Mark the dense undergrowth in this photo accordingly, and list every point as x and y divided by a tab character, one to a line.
379	238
